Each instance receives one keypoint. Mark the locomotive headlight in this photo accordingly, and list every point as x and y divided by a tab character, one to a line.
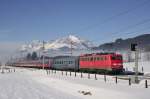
116	64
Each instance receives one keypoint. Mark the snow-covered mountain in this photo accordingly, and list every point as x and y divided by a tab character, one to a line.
64	43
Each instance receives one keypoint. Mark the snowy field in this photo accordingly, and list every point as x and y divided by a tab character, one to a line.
145	65
42	84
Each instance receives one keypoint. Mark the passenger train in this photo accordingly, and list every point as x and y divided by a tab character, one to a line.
85	62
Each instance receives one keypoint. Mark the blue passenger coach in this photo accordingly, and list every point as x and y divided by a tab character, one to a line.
66	62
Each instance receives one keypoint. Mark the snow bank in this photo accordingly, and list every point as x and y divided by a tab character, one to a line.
131	65
36	84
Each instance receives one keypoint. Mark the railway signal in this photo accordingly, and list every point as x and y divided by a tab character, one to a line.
134	47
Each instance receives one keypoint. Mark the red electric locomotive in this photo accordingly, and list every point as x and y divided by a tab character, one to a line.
101	61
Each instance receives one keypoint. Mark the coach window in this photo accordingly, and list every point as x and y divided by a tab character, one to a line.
64	62
102	58
105	58
87	59
70	62
91	58
82	59
94	58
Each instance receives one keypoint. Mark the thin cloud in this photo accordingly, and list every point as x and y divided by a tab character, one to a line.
7	49
5	31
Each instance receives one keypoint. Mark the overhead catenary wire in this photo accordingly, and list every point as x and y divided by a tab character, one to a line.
121	32
130	27
114	16
141	30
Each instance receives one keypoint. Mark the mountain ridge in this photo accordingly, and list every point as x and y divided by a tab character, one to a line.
74	42
64	43
119	44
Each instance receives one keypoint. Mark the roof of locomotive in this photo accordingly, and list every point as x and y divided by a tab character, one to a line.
99	54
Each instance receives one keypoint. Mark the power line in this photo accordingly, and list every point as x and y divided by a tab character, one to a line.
128	33
114	16
131	26
120	32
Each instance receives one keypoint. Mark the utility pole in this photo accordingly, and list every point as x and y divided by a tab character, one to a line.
43	48
71	47
71	43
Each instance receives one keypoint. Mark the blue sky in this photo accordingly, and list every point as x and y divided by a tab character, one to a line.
27	20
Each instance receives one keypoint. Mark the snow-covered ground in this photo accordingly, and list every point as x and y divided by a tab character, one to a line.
21	85
145	65
36	84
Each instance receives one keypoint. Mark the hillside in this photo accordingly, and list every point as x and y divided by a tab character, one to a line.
143	42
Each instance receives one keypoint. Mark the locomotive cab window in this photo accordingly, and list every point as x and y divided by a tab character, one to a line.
113	58
116	58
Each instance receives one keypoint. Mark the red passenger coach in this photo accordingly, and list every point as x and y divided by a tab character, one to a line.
47	63
104	61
